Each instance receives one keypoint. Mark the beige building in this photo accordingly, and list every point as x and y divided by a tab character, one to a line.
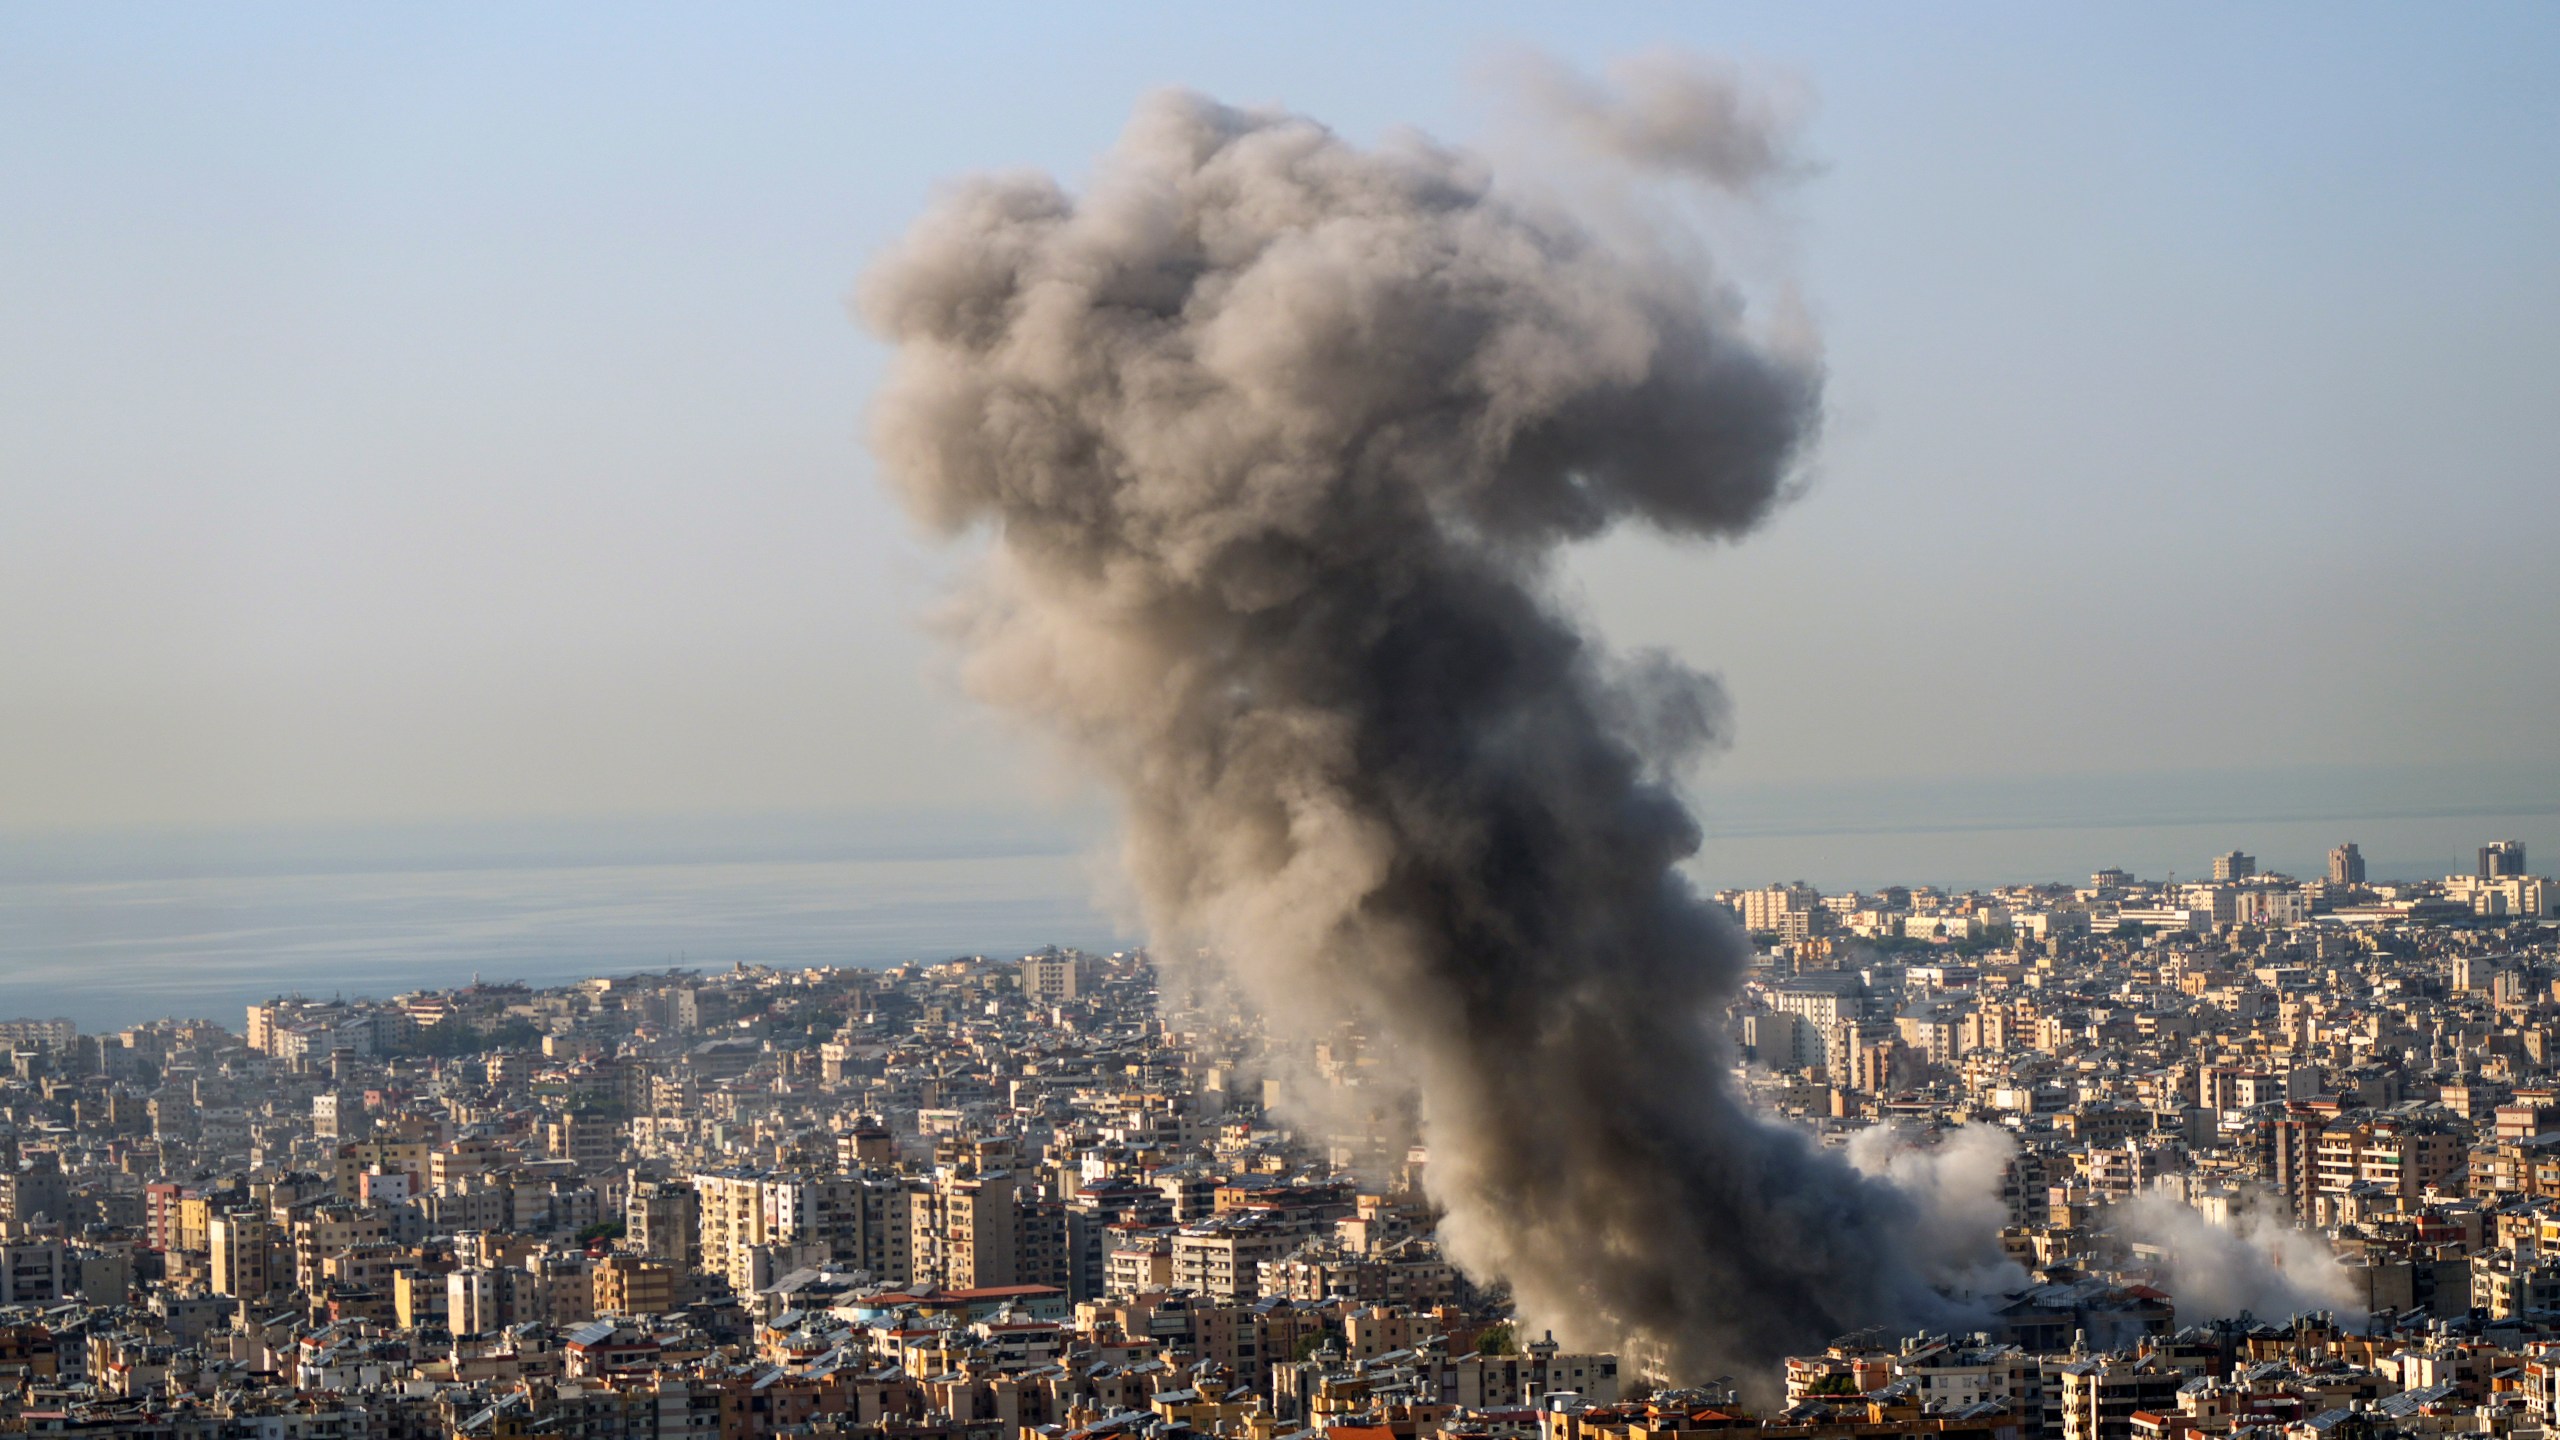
729	1217
1049	977
242	1243
633	1285
963	1232
1223	1259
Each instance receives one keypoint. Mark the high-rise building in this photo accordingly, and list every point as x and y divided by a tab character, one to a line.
963	1232
2502	860
661	1220
2233	866
242	1243
728	1216
2346	865
887	1230
1790	912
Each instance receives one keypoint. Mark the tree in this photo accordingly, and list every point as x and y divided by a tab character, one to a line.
1839	1382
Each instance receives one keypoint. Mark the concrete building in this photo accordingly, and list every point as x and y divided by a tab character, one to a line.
662	1219
2502	859
241	1242
962	1231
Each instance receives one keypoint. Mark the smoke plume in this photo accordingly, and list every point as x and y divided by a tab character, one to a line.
2251	1260
1668	111
1954	1187
1276	439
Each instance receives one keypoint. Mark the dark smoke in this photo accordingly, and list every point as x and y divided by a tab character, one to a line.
1277	439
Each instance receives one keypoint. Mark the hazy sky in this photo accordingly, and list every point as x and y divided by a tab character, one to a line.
451	411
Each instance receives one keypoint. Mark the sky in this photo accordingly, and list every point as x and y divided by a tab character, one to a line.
429	414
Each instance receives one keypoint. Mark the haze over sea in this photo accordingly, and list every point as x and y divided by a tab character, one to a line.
111	928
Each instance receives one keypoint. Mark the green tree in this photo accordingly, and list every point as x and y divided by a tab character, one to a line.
1839	1382
1309	1344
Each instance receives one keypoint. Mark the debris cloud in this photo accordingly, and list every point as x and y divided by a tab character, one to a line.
2244	1259
1953	1180
1276	439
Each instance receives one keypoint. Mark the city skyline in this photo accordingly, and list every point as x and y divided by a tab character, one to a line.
1463	722
375	925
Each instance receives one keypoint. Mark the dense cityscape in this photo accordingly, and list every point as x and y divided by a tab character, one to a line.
1024	1198
1018	722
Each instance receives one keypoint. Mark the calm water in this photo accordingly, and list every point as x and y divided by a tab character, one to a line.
111	929
203	927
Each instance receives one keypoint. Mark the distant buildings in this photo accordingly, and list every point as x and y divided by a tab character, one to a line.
1790	912
1030	1199
53	1036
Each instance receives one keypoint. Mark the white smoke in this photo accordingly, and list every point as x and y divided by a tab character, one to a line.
2254	1262
1953	1181
2243	1258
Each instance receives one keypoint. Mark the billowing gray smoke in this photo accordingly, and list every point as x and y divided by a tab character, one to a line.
1277	438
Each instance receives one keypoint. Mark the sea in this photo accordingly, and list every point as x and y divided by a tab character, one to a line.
115	929
111	928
